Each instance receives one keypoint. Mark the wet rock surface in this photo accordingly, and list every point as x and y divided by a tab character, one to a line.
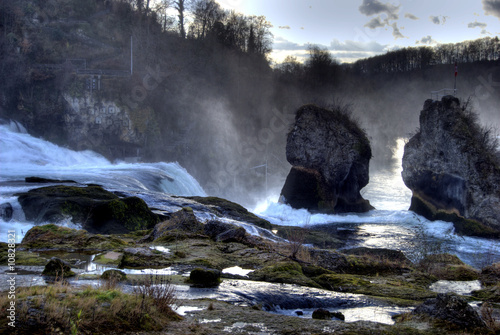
98	210
453	170
56	267
6	211
452	309
330	156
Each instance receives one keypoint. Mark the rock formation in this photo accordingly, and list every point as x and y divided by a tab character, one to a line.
330	155
98	210
452	168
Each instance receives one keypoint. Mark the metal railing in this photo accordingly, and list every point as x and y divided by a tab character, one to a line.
438	95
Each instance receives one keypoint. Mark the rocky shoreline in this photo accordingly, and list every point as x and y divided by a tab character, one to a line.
385	276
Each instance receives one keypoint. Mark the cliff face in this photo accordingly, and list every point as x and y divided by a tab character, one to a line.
330	156
452	169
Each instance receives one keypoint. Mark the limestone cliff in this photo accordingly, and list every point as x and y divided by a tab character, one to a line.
330	155
451	166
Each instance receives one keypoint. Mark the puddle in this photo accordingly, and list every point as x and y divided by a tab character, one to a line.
236	270
182	310
209	321
380	314
458	287
161	249
247	328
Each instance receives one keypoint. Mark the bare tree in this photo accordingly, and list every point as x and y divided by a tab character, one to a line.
181	7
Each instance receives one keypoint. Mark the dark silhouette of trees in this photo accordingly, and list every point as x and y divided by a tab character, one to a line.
180	6
417	58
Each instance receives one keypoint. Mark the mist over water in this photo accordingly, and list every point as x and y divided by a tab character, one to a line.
391	225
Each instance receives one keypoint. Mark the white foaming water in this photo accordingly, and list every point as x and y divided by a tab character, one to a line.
22	155
391	225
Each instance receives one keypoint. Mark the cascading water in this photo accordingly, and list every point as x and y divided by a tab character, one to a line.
391	225
22	155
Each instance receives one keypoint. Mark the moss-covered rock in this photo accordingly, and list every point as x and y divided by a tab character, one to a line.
367	261
387	288
490	293
181	225
321	314
283	272
451	309
98	210
451	165
447	267
143	257
223	207
52	236
23	257
114	275
56	267
490	275
204	277
341	282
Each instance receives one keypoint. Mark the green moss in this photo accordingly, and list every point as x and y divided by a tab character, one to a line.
22	257
283	272
393	289
490	294
462	225
341	282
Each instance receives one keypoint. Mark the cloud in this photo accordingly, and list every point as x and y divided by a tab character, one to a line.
438	19
281	43
372	7
376	23
426	40
395	31
492	7
284	27
411	16
356	46
477	24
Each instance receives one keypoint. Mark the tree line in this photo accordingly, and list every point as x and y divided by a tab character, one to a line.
417	58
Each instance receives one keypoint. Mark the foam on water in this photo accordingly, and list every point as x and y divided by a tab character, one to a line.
22	155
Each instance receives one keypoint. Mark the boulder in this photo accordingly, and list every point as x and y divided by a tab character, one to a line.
181	225
452	309
226	208
205	277
6	211
142	257
56	267
98	210
55	237
330	156
232	235
224	232
447	267
321	314
114	275
452	167
490	275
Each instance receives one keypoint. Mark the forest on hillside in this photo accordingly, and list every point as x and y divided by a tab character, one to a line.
203	89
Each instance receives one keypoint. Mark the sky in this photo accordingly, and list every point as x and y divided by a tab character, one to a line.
353	29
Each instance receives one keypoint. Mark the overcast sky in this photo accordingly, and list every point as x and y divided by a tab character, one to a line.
353	29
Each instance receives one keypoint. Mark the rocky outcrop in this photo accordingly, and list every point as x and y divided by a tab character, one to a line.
451	309
451	167
330	156
56	267
98	210
6	211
